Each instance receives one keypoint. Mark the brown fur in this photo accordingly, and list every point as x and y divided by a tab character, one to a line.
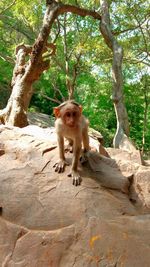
71	124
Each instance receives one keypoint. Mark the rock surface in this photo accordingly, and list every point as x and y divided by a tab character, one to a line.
45	221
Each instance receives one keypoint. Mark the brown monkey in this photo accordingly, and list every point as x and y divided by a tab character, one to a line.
71	124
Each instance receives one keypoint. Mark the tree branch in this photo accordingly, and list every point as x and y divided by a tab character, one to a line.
57	90
79	11
7	58
136	61
49	98
142	32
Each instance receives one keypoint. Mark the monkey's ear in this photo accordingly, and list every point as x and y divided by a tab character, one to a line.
56	112
80	108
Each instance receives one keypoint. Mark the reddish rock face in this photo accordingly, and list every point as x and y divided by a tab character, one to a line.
45	221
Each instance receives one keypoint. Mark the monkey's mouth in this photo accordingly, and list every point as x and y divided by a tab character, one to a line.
71	125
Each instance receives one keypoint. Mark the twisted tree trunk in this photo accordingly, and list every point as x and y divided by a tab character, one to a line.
14	113
117	95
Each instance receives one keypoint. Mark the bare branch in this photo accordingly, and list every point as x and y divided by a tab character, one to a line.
49	98
57	90
125	30
142	32
136	61
79	11
7	58
75	70
58	32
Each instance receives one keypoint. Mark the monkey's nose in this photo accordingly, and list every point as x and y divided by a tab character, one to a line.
71	122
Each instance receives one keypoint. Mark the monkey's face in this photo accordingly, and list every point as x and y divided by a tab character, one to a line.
70	115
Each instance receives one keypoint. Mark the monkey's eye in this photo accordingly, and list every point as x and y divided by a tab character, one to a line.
68	114
74	114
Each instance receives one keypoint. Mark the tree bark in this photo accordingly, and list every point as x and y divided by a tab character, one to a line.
117	95
146	106
67	71
14	113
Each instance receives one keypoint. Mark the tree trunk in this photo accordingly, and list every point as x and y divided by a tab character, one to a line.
117	95
146	106
67	70
15	111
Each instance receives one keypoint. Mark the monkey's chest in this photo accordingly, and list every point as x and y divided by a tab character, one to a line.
71	132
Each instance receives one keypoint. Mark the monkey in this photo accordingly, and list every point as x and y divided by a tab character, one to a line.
70	123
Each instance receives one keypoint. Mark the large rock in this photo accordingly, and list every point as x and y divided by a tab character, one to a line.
46	221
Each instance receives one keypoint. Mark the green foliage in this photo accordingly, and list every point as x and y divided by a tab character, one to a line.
137	95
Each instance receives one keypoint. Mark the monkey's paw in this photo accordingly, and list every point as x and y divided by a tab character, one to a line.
76	178
60	166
